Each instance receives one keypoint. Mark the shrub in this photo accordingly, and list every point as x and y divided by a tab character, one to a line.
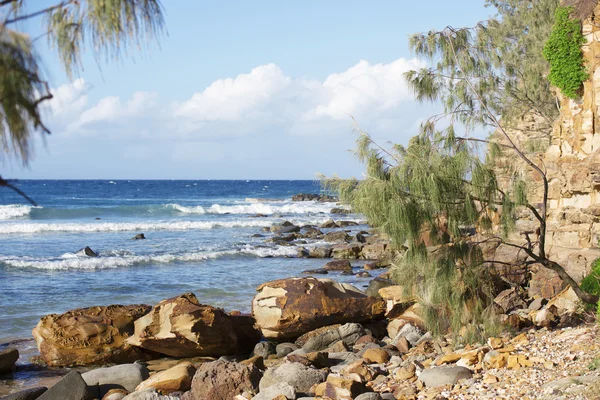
591	283
563	52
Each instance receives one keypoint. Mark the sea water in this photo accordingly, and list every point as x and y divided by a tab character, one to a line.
200	239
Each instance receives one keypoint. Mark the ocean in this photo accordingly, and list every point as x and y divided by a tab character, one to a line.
201	237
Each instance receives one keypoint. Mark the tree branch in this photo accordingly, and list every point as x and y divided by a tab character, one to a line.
4	182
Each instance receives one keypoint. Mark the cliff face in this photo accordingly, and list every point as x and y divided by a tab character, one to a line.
573	168
571	157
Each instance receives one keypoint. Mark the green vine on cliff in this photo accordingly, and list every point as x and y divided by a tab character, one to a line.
563	52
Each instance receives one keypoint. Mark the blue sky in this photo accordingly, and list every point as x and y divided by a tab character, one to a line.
241	90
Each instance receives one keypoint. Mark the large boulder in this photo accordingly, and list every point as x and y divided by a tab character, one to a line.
182	327
27	394
299	376
91	335
247	335
71	387
288	308
223	380
125	376
175	379
445	375
8	358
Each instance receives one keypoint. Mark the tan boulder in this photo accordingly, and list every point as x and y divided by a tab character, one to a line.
174	379
93	335
182	327
376	356
338	387
288	308
397	300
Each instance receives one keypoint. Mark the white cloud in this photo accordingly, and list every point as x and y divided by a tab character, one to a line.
263	99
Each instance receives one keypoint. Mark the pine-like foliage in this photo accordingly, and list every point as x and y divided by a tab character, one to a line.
109	27
443	186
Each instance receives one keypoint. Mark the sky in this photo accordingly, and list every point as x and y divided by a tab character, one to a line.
240	90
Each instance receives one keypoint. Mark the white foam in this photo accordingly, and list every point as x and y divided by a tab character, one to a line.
106	261
11	228
265	208
11	211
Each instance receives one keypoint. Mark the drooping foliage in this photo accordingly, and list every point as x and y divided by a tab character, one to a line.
563	52
109	27
431	195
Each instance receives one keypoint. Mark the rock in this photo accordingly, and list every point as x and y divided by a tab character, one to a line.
360	371
303	339
278	389
322	341
247	335
351	251
125	376
288	308
360	238
300	377
536	304
8	358
139	236
509	300
182	327
444	375
336	237
338	210
285	228
544	283
323	198
27	394
351	332
376	251
319	271
329	224
397	301
283	349
174	379
337	347
565	305
115	394
376	356
91	335
338	265
338	387
368	396
320	252
264	349
86	251
71	387
376	284
404	373
411	333
363	274
223	380
148	395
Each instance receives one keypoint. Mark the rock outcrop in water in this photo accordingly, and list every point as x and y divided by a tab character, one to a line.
314	197
287	308
182	327
91	335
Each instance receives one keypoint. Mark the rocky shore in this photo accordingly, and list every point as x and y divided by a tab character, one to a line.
313	338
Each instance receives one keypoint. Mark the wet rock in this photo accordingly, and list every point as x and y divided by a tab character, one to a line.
286	227
71	387
329	224
288	308
343	224
339	210
182	327
445	375
318	271
360	238
315	197
320	252
8	358
27	394
300	377
336	237
174	379
86	251
338	265
94	335
349	252
125	376
223	380
139	236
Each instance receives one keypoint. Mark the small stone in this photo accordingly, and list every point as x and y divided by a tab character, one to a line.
405	373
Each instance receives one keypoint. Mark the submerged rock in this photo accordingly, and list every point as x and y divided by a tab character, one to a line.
287	308
94	335
139	236
86	251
